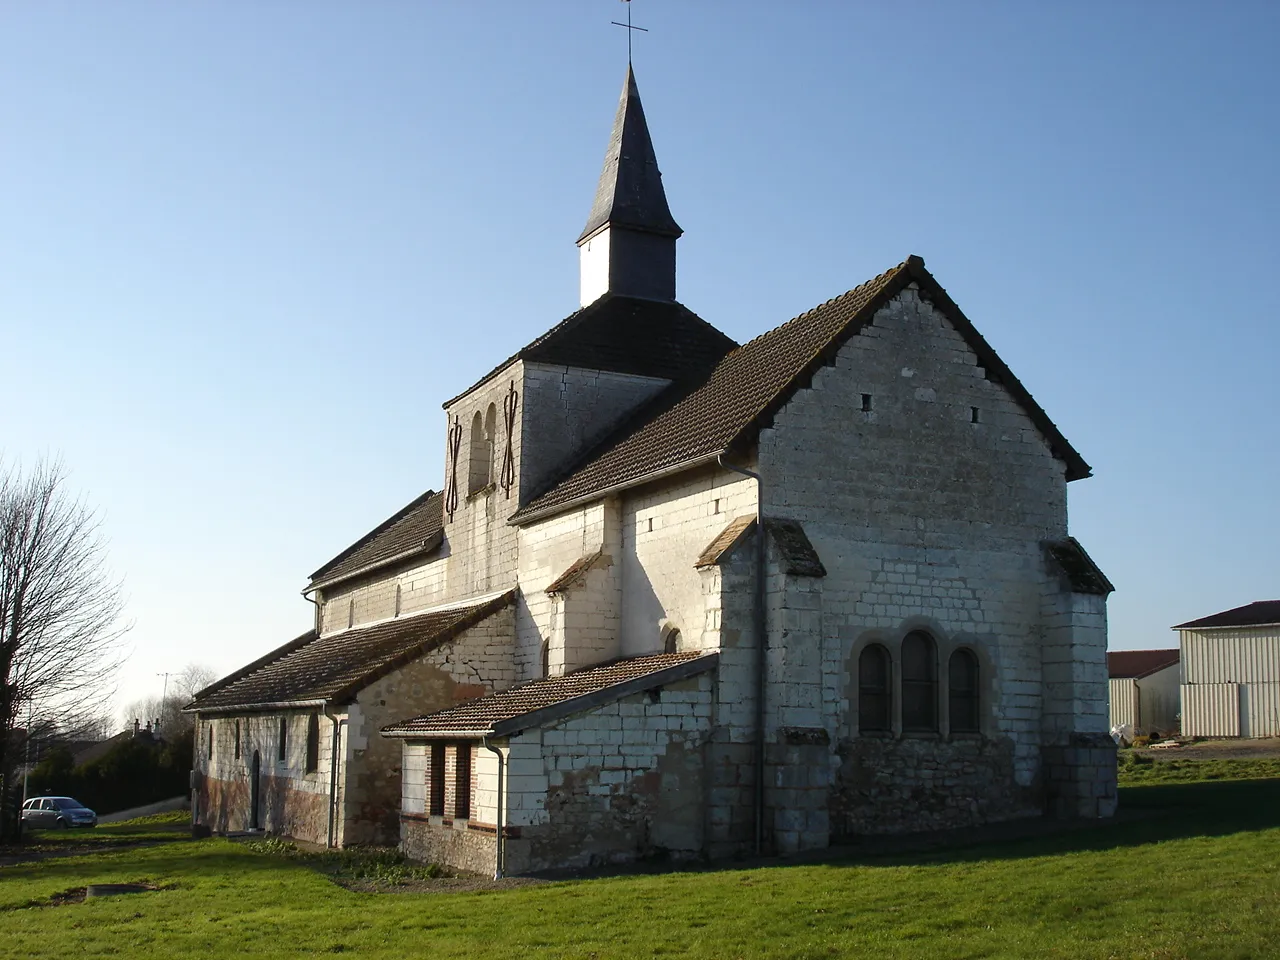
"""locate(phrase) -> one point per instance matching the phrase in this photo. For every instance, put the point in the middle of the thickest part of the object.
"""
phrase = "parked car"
(57, 812)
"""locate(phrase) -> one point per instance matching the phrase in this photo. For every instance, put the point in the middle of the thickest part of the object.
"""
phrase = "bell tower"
(628, 246)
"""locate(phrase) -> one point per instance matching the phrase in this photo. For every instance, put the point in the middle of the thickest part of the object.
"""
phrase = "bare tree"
(60, 615)
(167, 708)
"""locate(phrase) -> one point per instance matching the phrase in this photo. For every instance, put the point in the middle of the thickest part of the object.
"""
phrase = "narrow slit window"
(919, 683)
(237, 749)
(866, 403)
(397, 613)
(874, 702)
(211, 741)
(963, 692)
(974, 415)
(351, 613)
(313, 743)
(284, 733)
(435, 781)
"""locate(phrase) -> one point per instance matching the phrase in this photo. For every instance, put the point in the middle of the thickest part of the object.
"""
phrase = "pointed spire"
(630, 192)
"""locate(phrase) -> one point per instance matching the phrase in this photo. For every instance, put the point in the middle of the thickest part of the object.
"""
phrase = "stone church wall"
(566, 410)
(665, 528)
(292, 801)
(373, 598)
(926, 491)
(478, 662)
(547, 549)
(480, 547)
(622, 782)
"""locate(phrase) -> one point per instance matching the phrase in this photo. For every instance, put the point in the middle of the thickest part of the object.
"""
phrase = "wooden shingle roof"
(332, 669)
(685, 427)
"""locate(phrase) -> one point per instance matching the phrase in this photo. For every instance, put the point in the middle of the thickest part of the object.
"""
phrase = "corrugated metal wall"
(1158, 703)
(1210, 710)
(1260, 710)
(1244, 655)
(1124, 702)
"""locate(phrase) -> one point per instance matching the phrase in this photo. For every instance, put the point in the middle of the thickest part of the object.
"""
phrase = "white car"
(57, 812)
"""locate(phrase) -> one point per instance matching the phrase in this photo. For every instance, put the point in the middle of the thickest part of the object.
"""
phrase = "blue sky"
(249, 248)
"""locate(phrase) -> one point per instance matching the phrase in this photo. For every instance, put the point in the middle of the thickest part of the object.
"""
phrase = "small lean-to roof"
(795, 551)
(659, 339)
(335, 667)
(1136, 664)
(1082, 573)
(415, 530)
(574, 573)
(1260, 613)
(683, 428)
(546, 701)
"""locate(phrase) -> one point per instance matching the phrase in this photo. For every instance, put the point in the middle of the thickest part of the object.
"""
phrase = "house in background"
(1144, 688)
(1231, 672)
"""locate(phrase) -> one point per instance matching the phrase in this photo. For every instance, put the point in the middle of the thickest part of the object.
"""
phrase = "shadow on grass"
(180, 861)
(1147, 815)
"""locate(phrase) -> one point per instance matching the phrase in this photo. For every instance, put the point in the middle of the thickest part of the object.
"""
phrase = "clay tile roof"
(575, 572)
(797, 554)
(725, 541)
(417, 529)
(1258, 613)
(645, 338)
(336, 667)
(684, 427)
(543, 701)
(1135, 664)
(1084, 575)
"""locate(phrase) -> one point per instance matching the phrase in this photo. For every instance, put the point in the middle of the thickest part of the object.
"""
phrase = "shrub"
(134, 773)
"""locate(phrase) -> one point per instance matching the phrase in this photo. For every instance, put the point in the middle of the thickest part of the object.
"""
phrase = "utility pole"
(164, 696)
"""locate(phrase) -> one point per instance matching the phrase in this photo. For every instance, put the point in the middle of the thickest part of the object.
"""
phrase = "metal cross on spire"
(630, 29)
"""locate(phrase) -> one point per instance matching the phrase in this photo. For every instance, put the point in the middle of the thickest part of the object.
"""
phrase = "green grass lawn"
(1192, 871)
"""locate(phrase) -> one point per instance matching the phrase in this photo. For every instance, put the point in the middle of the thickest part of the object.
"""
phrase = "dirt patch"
(11, 856)
(1264, 749)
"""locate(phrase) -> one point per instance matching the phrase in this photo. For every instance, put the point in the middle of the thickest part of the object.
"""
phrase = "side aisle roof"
(414, 529)
(312, 670)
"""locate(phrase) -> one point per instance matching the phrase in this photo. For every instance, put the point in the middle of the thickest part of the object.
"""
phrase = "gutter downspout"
(761, 647)
(306, 595)
(498, 852)
(333, 777)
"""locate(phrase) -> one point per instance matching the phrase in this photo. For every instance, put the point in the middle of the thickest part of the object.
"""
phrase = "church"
(679, 597)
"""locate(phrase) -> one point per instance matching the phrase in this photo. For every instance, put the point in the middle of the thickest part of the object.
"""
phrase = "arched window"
(875, 703)
(963, 691)
(480, 466)
(546, 658)
(919, 683)
(671, 643)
